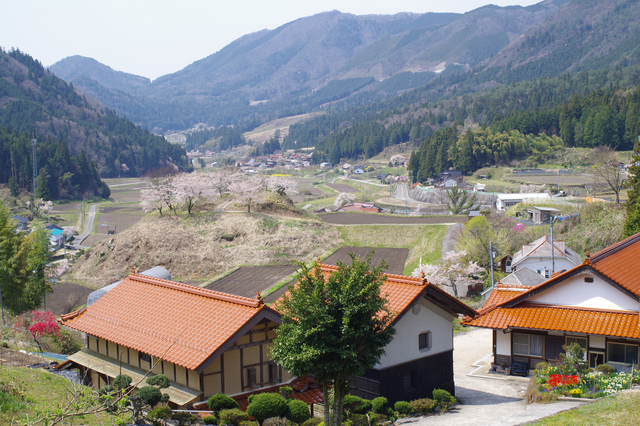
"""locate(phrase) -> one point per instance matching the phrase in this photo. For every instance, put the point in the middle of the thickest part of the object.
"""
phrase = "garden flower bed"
(552, 382)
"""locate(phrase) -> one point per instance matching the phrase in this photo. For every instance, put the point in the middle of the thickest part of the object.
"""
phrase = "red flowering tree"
(38, 324)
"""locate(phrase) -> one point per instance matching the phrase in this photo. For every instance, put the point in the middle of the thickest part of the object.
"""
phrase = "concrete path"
(88, 229)
(485, 399)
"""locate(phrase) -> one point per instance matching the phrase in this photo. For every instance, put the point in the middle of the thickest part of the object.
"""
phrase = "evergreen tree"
(632, 224)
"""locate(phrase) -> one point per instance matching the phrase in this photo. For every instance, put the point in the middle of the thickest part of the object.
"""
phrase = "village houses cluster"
(207, 342)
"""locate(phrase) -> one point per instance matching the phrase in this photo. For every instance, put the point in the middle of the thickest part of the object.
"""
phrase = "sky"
(152, 38)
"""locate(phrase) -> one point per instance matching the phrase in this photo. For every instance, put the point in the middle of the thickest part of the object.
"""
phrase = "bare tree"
(607, 169)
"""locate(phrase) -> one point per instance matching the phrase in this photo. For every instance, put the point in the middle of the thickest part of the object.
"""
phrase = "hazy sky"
(157, 37)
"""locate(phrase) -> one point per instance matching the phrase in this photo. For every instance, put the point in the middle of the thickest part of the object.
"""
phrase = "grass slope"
(617, 410)
(27, 394)
(424, 241)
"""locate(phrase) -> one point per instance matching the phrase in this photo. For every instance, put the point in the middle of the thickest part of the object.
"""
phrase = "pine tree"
(632, 224)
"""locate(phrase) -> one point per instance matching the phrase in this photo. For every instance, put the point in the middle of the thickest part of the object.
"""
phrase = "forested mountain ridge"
(35, 101)
(583, 35)
(314, 61)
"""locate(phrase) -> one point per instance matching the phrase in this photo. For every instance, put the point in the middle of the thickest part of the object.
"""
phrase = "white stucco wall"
(597, 342)
(535, 263)
(404, 346)
(503, 343)
(576, 292)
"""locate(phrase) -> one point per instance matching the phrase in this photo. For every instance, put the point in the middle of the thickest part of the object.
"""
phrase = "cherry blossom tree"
(397, 159)
(344, 198)
(453, 272)
(246, 188)
(191, 188)
(282, 185)
(159, 192)
(220, 181)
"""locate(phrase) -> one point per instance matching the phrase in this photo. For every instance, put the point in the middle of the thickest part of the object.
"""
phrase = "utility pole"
(35, 167)
(553, 258)
(492, 254)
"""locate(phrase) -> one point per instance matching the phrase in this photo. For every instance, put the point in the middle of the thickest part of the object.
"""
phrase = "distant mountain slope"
(33, 99)
(74, 67)
(583, 35)
(295, 67)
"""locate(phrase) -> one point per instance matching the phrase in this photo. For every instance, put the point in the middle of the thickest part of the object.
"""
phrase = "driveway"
(486, 400)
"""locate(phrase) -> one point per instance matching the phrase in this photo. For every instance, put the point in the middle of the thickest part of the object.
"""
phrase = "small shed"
(22, 222)
(544, 214)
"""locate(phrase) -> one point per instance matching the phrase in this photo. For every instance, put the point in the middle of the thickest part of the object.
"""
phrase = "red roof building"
(595, 304)
(204, 341)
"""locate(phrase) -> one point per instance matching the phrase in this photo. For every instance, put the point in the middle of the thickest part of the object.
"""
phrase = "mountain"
(310, 63)
(583, 35)
(34, 100)
(75, 67)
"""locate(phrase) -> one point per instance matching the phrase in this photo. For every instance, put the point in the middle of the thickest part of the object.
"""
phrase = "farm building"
(594, 304)
(23, 222)
(208, 342)
(504, 201)
(420, 357)
(204, 341)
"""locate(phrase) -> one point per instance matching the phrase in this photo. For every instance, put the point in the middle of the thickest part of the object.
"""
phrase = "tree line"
(60, 174)
(36, 101)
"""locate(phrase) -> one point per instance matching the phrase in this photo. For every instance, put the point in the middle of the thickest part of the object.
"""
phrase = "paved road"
(486, 400)
(88, 229)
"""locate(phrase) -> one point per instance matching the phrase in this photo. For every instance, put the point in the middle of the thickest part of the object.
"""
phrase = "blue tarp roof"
(56, 231)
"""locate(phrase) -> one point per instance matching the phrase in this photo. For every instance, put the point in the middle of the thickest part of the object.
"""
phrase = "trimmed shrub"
(313, 421)
(379, 405)
(221, 401)
(209, 420)
(298, 411)
(605, 369)
(122, 381)
(424, 405)
(443, 399)
(158, 414)
(356, 405)
(359, 420)
(232, 416)
(263, 406)
(160, 380)
(185, 419)
(377, 419)
(403, 407)
(149, 395)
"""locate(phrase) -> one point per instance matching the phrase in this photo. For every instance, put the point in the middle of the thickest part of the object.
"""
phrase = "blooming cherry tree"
(344, 198)
(397, 159)
(282, 185)
(246, 188)
(453, 272)
(190, 188)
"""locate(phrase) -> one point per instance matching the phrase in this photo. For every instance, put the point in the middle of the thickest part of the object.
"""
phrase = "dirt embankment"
(200, 247)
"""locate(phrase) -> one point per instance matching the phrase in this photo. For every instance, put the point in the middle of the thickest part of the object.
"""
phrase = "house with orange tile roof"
(420, 356)
(595, 304)
(204, 341)
(538, 257)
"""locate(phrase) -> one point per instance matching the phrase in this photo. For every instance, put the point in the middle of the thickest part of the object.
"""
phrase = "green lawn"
(620, 410)
(424, 241)
(28, 394)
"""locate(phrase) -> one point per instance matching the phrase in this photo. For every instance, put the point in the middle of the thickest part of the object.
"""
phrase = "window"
(145, 357)
(595, 359)
(588, 280)
(622, 353)
(527, 344)
(582, 341)
(424, 340)
(251, 376)
(273, 372)
(544, 272)
(409, 381)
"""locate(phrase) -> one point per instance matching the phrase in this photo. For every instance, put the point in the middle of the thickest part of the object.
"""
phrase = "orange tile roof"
(621, 263)
(402, 291)
(559, 318)
(182, 324)
(503, 292)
